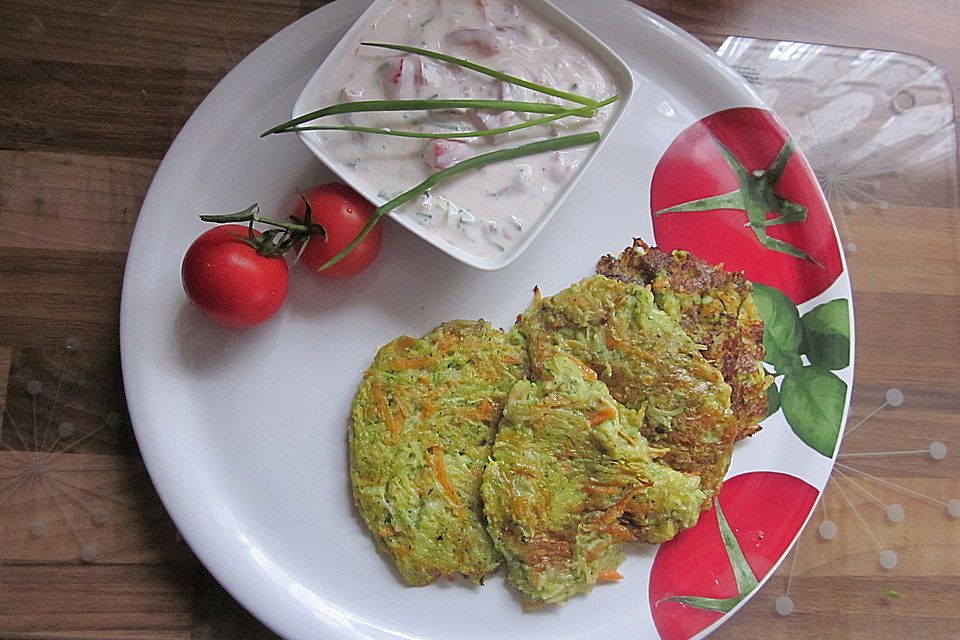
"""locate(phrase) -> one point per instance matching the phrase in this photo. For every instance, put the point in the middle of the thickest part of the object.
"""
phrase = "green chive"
(540, 146)
(426, 105)
(487, 71)
(458, 134)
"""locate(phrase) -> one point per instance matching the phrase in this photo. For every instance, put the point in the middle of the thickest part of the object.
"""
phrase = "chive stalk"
(362, 106)
(500, 155)
(479, 133)
(487, 71)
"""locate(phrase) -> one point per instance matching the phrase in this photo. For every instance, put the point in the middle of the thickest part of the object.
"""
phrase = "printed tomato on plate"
(706, 571)
(733, 189)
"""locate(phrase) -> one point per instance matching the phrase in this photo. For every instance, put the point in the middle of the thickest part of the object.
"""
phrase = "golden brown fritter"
(649, 364)
(422, 428)
(715, 309)
(568, 461)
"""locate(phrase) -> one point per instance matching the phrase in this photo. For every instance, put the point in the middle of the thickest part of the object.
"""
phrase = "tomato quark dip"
(487, 211)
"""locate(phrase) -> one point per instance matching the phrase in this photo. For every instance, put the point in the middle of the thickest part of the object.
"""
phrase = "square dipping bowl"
(463, 232)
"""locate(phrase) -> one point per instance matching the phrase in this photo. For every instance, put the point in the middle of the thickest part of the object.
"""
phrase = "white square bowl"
(555, 20)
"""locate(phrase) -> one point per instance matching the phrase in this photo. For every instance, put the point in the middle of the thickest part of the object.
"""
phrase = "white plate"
(244, 433)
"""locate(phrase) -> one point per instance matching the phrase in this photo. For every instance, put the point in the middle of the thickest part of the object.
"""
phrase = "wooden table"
(93, 94)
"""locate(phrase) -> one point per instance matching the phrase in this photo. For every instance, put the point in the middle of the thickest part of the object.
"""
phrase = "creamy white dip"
(483, 212)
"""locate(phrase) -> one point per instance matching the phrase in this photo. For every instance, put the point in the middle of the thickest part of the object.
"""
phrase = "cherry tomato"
(342, 212)
(765, 511)
(229, 281)
(783, 237)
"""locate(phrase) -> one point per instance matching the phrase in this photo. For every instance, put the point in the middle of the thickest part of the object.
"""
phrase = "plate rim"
(246, 587)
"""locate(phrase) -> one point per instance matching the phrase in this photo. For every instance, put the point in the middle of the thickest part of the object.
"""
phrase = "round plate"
(244, 432)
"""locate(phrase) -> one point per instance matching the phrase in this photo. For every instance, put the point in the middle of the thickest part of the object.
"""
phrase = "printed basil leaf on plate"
(813, 401)
(826, 335)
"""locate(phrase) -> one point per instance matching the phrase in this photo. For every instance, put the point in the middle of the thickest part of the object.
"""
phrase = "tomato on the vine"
(237, 276)
(229, 281)
(733, 189)
(342, 212)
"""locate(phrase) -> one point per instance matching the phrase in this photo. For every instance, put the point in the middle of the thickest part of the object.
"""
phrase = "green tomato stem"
(723, 605)
(252, 214)
(742, 573)
(540, 146)
(272, 242)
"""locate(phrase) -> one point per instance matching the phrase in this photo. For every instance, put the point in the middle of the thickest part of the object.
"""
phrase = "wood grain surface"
(93, 95)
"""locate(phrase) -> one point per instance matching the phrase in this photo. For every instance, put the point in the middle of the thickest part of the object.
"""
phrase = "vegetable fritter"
(715, 308)
(568, 460)
(422, 428)
(648, 363)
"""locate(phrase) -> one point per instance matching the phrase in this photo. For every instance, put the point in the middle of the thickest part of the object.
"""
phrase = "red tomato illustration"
(733, 189)
(694, 578)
